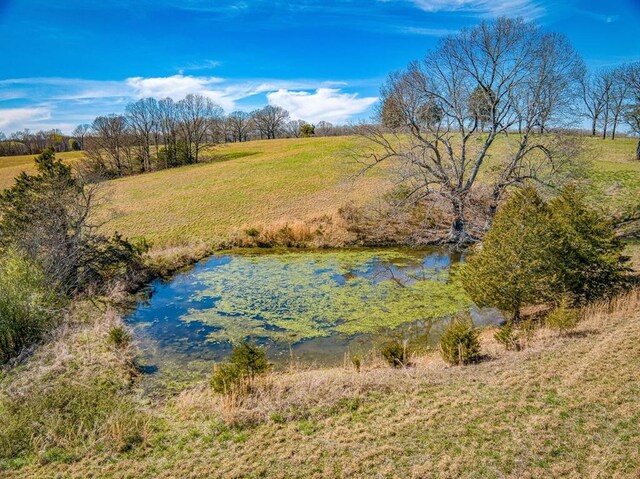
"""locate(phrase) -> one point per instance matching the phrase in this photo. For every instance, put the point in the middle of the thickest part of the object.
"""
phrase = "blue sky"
(65, 62)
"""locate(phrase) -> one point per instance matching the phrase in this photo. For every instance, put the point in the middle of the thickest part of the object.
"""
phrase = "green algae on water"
(294, 296)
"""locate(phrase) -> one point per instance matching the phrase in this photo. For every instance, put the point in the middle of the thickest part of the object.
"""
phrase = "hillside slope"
(244, 185)
(567, 406)
(262, 183)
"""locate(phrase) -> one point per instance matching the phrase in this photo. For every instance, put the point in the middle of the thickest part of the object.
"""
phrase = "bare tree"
(594, 95)
(196, 113)
(525, 76)
(142, 117)
(607, 82)
(270, 121)
(618, 97)
(109, 145)
(632, 111)
(80, 133)
(293, 128)
(324, 128)
(240, 125)
(168, 123)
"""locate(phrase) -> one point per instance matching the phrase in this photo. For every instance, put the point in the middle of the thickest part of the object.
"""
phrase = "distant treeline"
(154, 134)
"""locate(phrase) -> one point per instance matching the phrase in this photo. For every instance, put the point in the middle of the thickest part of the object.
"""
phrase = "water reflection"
(312, 305)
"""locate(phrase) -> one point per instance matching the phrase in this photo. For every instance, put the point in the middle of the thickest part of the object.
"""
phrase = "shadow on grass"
(581, 334)
(229, 156)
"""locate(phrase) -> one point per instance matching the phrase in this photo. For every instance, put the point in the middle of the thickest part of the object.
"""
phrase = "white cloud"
(528, 9)
(15, 118)
(44, 103)
(327, 104)
(176, 86)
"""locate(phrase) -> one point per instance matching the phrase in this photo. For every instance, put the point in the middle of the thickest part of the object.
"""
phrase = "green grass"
(246, 184)
(261, 183)
(564, 407)
(12, 166)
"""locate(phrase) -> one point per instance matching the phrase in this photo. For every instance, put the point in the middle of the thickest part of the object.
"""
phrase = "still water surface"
(311, 305)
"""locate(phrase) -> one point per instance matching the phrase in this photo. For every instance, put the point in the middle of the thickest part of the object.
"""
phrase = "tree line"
(153, 134)
(611, 96)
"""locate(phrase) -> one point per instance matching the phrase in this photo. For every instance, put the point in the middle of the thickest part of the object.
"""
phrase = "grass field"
(245, 185)
(11, 166)
(277, 181)
(566, 406)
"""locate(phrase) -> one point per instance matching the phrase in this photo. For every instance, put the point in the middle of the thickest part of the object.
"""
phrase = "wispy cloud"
(13, 118)
(605, 18)
(328, 104)
(529, 9)
(198, 66)
(428, 32)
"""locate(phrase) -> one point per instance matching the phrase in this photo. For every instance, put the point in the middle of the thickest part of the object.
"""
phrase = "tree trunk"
(493, 207)
(458, 233)
(638, 151)
(516, 314)
(593, 127)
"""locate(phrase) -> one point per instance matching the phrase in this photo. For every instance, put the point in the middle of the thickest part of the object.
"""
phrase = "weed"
(395, 353)
(563, 318)
(508, 337)
(119, 337)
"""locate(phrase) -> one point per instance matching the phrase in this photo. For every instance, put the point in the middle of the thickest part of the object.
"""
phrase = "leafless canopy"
(441, 116)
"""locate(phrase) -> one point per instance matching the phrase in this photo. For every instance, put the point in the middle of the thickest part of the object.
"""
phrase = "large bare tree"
(521, 76)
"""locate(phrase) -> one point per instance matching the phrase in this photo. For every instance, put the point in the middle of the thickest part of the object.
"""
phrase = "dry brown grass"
(565, 406)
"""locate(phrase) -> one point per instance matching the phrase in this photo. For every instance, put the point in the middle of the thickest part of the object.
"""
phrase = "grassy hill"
(566, 406)
(244, 184)
(261, 183)
(11, 166)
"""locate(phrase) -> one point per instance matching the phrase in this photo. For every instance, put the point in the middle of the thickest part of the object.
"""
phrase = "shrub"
(508, 337)
(587, 250)
(395, 353)
(119, 337)
(46, 217)
(252, 232)
(27, 305)
(247, 361)
(512, 268)
(459, 343)
(563, 318)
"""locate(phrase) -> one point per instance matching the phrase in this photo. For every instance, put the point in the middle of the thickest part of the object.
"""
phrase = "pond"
(310, 305)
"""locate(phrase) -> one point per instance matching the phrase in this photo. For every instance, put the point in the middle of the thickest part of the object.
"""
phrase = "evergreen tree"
(589, 256)
(538, 252)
